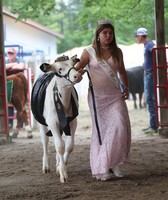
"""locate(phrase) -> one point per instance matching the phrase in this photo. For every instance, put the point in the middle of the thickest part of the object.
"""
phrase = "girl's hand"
(79, 78)
(125, 93)
(82, 71)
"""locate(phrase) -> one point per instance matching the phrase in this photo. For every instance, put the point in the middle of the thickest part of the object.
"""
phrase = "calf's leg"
(140, 100)
(69, 145)
(61, 167)
(45, 140)
(134, 98)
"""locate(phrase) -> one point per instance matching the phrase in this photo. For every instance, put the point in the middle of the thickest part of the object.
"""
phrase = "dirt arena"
(146, 177)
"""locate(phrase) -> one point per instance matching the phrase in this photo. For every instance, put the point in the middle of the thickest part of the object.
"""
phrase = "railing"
(161, 84)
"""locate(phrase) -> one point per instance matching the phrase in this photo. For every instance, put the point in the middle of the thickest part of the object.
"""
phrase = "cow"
(136, 83)
(54, 104)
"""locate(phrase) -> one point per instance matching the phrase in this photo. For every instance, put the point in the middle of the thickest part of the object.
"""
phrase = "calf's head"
(63, 67)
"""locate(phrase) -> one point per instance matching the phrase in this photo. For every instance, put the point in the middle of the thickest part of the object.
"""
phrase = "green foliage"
(75, 39)
(126, 16)
(30, 8)
(77, 19)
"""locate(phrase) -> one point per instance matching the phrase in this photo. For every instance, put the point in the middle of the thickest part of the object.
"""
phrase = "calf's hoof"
(64, 180)
(46, 170)
(29, 135)
(15, 134)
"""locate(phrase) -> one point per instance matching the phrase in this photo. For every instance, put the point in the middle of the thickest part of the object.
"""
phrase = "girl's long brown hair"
(115, 51)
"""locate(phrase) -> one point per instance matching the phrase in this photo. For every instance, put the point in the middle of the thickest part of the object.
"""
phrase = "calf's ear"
(45, 67)
(62, 58)
(75, 59)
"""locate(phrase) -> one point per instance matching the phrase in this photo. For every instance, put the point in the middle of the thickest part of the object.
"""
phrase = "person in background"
(13, 65)
(141, 36)
(103, 61)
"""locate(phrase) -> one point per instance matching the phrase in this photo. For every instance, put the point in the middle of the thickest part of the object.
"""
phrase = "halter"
(64, 121)
(66, 76)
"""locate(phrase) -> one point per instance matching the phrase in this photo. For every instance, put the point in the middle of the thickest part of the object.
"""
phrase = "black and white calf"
(54, 104)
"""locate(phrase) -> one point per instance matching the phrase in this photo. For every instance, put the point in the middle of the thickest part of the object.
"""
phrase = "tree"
(30, 8)
(77, 19)
(126, 15)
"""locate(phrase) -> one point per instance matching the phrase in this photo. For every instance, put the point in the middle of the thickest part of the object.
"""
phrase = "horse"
(18, 97)
(54, 104)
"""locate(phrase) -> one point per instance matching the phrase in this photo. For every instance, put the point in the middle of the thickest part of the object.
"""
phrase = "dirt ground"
(146, 177)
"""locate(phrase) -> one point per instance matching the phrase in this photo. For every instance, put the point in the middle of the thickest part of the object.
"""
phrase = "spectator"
(141, 36)
(13, 65)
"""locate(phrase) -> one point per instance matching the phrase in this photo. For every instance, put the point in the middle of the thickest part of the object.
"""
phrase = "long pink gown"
(113, 120)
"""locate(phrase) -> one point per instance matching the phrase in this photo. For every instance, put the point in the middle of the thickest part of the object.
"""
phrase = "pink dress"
(113, 120)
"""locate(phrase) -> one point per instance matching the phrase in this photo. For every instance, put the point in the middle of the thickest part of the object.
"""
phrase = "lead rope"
(61, 114)
(94, 108)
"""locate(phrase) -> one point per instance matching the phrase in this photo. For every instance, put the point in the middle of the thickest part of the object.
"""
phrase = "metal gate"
(161, 84)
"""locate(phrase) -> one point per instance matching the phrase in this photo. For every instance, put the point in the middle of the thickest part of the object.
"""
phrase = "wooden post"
(160, 42)
(3, 92)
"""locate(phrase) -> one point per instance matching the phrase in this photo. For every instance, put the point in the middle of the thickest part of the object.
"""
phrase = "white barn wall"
(29, 37)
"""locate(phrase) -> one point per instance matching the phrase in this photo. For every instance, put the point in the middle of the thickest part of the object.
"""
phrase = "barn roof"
(34, 24)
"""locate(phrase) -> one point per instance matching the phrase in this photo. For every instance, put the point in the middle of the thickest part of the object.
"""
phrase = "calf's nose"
(78, 77)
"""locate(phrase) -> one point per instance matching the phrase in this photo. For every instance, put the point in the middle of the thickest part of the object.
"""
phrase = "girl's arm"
(123, 76)
(84, 60)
